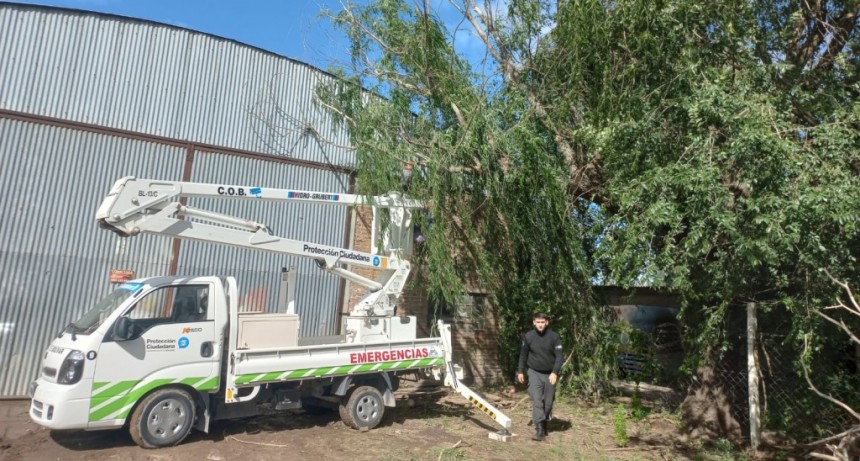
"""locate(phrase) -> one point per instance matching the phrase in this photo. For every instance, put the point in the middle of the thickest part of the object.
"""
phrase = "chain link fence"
(788, 407)
(789, 411)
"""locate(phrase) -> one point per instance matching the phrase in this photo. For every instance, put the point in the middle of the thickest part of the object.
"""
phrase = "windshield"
(102, 310)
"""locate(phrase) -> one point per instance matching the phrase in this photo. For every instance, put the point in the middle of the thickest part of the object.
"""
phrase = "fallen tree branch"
(853, 430)
(518, 403)
(276, 445)
(657, 447)
(456, 445)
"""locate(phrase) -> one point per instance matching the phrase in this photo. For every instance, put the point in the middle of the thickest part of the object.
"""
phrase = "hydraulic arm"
(155, 206)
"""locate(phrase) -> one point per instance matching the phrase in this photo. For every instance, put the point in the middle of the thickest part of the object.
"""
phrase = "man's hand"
(553, 378)
(521, 378)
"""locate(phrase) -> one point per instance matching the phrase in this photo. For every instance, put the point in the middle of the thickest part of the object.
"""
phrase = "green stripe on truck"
(127, 400)
(125, 393)
(336, 371)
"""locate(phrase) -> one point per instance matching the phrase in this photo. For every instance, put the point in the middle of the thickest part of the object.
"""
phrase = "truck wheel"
(164, 418)
(363, 409)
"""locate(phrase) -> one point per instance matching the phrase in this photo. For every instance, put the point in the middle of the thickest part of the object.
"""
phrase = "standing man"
(541, 352)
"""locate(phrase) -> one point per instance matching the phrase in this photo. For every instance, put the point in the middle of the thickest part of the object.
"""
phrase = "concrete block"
(500, 437)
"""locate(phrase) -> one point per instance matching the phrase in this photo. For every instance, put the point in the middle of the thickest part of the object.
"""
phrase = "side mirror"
(123, 329)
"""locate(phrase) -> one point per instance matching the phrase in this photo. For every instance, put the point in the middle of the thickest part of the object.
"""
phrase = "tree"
(710, 149)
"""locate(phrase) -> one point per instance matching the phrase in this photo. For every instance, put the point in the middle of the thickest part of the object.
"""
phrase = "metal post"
(752, 376)
(287, 290)
(282, 290)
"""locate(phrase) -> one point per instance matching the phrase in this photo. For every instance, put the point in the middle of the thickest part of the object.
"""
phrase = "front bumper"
(56, 406)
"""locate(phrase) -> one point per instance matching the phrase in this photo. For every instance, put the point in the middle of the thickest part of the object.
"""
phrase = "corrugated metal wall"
(158, 81)
(317, 292)
(54, 260)
(162, 80)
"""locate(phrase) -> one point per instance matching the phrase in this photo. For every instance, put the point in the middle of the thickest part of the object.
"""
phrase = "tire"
(363, 409)
(163, 419)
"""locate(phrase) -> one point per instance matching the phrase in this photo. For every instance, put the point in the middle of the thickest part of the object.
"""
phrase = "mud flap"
(388, 395)
(204, 417)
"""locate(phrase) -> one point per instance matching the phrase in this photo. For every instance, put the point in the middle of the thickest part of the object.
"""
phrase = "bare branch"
(823, 456)
(331, 108)
(847, 289)
(840, 33)
(840, 324)
(853, 430)
(479, 30)
(830, 399)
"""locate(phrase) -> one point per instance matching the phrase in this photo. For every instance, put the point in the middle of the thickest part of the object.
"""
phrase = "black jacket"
(541, 352)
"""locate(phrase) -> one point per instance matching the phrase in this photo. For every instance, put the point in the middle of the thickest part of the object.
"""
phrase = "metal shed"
(86, 98)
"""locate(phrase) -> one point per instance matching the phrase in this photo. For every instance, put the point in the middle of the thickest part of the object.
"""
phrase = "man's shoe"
(540, 435)
(543, 429)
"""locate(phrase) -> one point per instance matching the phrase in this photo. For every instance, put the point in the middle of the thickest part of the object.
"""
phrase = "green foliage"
(832, 362)
(724, 450)
(619, 424)
(450, 454)
(707, 148)
(502, 217)
(637, 410)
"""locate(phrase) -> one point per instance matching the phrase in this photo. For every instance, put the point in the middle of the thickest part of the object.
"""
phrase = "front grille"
(49, 372)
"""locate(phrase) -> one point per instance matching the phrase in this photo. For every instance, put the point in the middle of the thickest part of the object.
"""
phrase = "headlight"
(72, 368)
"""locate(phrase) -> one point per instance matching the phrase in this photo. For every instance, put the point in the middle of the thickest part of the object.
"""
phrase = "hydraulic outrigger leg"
(473, 397)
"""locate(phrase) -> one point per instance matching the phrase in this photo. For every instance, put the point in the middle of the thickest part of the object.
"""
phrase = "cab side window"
(174, 304)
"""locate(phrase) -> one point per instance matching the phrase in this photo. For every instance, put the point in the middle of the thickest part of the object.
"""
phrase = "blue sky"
(291, 28)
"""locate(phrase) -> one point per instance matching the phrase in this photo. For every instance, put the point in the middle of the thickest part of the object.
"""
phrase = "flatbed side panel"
(252, 367)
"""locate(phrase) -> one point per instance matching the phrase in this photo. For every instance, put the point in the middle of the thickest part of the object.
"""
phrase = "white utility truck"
(167, 354)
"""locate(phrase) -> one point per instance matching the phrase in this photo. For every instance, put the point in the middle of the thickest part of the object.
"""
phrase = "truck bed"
(257, 366)
(321, 340)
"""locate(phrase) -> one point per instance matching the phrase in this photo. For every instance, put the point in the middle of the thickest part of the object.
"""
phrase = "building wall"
(476, 344)
(86, 99)
(477, 350)
(163, 80)
(56, 262)
(361, 221)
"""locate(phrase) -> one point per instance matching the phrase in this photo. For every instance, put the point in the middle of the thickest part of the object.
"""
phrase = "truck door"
(171, 341)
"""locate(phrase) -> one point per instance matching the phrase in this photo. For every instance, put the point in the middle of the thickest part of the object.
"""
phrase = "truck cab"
(146, 334)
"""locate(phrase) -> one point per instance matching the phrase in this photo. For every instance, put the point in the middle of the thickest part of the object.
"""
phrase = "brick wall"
(475, 349)
(362, 218)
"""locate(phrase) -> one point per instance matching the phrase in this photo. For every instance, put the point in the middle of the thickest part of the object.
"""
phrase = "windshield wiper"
(72, 328)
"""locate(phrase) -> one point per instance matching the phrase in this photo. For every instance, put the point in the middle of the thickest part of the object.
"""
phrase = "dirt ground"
(430, 424)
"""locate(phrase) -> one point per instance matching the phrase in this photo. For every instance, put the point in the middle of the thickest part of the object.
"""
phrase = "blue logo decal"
(131, 286)
(183, 342)
(256, 191)
(376, 260)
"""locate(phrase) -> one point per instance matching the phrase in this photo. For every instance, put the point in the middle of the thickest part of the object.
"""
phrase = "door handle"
(206, 349)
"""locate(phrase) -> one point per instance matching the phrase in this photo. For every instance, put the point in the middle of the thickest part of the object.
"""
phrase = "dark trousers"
(542, 394)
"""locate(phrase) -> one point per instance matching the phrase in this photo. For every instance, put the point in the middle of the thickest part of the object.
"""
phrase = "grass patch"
(619, 422)
(450, 454)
